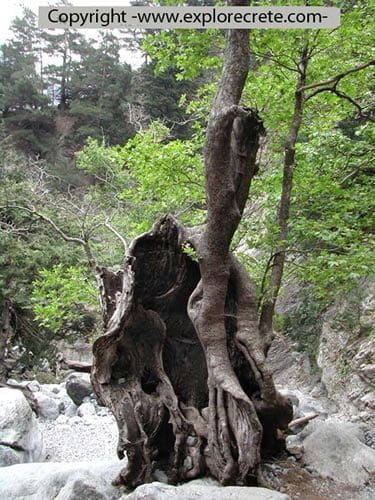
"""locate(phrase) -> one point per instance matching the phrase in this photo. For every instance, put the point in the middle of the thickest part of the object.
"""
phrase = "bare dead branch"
(302, 420)
(33, 211)
(69, 364)
(118, 235)
(69, 239)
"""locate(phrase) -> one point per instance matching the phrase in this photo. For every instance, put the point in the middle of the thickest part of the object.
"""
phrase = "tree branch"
(33, 211)
(118, 235)
(59, 231)
(337, 78)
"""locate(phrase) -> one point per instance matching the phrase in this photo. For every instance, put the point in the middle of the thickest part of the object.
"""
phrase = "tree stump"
(150, 368)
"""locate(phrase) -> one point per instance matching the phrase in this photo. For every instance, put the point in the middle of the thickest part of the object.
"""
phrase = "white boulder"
(60, 481)
(204, 489)
(47, 407)
(19, 429)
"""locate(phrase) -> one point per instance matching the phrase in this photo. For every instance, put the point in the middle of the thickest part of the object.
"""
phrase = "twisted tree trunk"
(182, 362)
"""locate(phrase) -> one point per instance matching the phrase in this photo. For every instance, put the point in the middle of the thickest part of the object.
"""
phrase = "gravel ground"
(86, 439)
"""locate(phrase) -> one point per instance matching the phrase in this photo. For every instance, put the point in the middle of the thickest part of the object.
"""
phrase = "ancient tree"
(182, 361)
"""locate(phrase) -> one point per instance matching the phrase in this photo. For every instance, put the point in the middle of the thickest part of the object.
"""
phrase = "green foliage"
(62, 294)
(189, 51)
(190, 252)
(159, 96)
(99, 91)
(330, 243)
(151, 174)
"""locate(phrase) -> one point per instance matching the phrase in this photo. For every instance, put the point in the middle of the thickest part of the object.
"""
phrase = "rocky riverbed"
(74, 440)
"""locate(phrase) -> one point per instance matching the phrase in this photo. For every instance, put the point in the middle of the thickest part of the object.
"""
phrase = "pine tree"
(100, 91)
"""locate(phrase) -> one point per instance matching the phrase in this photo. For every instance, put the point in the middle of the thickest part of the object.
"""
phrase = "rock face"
(20, 437)
(347, 354)
(335, 450)
(289, 367)
(60, 481)
(341, 345)
(78, 387)
(204, 489)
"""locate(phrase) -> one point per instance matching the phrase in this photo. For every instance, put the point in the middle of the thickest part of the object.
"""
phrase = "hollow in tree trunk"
(182, 363)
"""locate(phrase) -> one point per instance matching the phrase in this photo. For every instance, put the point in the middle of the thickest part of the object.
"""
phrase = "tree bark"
(181, 363)
(4, 336)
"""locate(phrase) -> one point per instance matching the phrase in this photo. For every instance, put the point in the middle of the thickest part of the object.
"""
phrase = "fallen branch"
(302, 420)
(70, 364)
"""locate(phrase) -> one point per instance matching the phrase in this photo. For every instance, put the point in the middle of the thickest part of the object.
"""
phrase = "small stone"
(86, 409)
(70, 410)
(369, 400)
(78, 386)
(294, 446)
(62, 419)
(34, 386)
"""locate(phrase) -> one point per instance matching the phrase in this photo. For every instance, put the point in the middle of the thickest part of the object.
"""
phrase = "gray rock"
(86, 409)
(294, 446)
(33, 385)
(47, 407)
(71, 410)
(89, 488)
(367, 372)
(19, 428)
(368, 400)
(334, 450)
(201, 489)
(9, 456)
(78, 386)
(60, 481)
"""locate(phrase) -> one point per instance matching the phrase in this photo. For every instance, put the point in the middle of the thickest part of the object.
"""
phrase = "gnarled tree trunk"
(182, 362)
